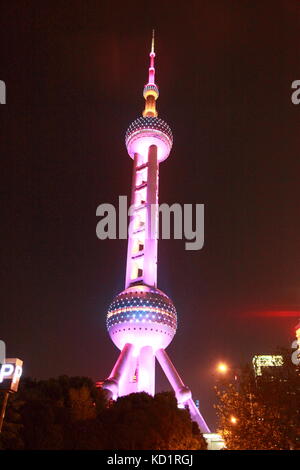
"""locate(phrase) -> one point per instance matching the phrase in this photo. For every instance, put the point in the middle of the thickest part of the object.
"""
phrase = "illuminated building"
(261, 361)
(142, 320)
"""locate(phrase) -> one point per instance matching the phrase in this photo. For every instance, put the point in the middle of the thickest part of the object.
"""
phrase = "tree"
(71, 413)
(140, 421)
(48, 413)
(261, 412)
(10, 437)
(81, 404)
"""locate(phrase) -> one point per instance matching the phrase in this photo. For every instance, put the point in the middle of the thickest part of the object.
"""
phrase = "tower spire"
(152, 44)
(151, 89)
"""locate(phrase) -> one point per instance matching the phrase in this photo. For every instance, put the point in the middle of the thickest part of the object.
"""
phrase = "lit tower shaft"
(142, 242)
(142, 320)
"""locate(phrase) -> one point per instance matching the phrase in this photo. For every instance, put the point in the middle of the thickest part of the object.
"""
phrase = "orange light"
(150, 92)
(233, 420)
(150, 112)
(222, 368)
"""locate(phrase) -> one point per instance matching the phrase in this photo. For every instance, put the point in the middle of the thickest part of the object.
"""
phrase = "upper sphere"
(146, 131)
(151, 89)
(143, 316)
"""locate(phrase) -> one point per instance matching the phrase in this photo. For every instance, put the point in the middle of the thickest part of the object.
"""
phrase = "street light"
(225, 369)
(233, 420)
(222, 368)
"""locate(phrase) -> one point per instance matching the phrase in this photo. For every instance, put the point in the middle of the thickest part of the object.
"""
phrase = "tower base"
(137, 374)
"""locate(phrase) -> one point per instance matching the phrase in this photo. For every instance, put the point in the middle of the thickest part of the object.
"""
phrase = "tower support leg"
(146, 370)
(128, 381)
(120, 370)
(183, 393)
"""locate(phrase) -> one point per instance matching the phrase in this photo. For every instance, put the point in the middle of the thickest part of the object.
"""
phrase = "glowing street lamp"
(233, 420)
(222, 368)
(225, 369)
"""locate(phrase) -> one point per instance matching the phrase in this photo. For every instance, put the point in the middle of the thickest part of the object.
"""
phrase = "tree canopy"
(71, 413)
(261, 412)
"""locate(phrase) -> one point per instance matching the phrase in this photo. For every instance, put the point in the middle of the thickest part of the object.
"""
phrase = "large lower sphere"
(143, 316)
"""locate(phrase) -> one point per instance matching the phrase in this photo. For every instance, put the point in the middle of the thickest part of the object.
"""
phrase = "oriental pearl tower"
(142, 320)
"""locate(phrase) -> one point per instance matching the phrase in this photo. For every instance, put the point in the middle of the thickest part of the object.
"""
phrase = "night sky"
(74, 73)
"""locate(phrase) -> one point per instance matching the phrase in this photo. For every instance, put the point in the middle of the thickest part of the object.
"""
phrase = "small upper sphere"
(146, 131)
(143, 316)
(151, 89)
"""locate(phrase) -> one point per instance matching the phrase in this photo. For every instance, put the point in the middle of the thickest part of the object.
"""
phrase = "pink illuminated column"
(182, 392)
(150, 262)
(146, 370)
(119, 371)
(142, 240)
(132, 248)
(128, 381)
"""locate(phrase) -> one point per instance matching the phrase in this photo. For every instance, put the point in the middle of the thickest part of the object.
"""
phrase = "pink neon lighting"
(142, 320)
